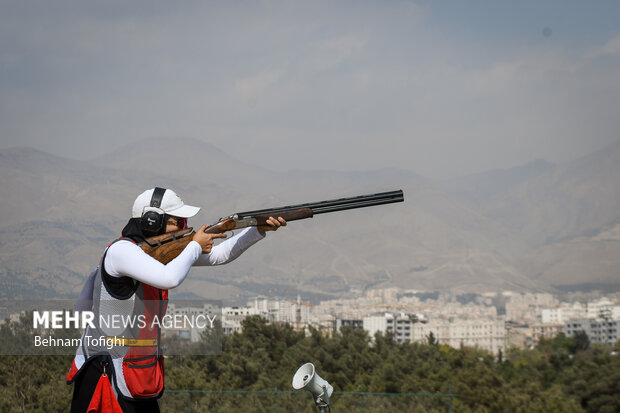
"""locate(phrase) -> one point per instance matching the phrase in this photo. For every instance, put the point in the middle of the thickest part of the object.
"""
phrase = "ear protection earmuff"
(153, 217)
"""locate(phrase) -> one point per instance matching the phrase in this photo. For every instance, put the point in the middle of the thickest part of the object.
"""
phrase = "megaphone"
(306, 378)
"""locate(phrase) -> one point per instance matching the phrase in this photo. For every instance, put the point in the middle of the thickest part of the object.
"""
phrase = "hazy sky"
(439, 88)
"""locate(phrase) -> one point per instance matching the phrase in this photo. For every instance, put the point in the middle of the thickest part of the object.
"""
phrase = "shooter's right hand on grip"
(206, 240)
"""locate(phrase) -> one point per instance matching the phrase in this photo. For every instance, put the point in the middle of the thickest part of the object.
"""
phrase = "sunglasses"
(178, 222)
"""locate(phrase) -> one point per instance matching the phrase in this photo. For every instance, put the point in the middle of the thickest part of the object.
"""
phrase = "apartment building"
(598, 330)
(400, 325)
(483, 333)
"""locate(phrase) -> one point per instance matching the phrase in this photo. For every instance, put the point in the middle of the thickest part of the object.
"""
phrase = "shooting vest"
(127, 333)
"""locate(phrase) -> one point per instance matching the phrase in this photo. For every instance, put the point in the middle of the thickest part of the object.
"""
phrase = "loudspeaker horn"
(306, 378)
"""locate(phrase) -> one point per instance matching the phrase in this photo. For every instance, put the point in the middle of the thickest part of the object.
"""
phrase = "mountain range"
(536, 227)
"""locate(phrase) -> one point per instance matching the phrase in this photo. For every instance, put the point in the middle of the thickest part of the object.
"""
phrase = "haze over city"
(443, 89)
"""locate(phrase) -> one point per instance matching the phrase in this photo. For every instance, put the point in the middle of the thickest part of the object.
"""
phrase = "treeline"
(564, 374)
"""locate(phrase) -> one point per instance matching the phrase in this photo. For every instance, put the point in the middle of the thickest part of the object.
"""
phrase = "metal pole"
(362, 395)
(276, 399)
(451, 396)
(189, 402)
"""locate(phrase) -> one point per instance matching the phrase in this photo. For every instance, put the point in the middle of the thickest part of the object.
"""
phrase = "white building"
(489, 335)
(603, 309)
(282, 311)
(375, 323)
(296, 313)
(354, 323)
(232, 317)
(562, 314)
(400, 325)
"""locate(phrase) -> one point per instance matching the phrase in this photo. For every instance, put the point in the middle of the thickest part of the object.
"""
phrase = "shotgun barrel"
(334, 205)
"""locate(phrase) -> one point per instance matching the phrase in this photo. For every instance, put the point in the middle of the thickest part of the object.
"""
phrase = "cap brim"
(186, 211)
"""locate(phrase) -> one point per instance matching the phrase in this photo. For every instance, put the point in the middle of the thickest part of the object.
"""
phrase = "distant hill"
(482, 187)
(560, 211)
(517, 229)
(576, 199)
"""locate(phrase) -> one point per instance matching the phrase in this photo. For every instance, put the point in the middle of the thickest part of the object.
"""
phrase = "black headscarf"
(133, 230)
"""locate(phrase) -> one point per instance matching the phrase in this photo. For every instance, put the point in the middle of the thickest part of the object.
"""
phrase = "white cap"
(171, 204)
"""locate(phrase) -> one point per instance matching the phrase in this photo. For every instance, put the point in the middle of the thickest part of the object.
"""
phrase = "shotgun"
(166, 247)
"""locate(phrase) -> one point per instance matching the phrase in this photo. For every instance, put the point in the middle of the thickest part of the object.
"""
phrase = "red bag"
(144, 375)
